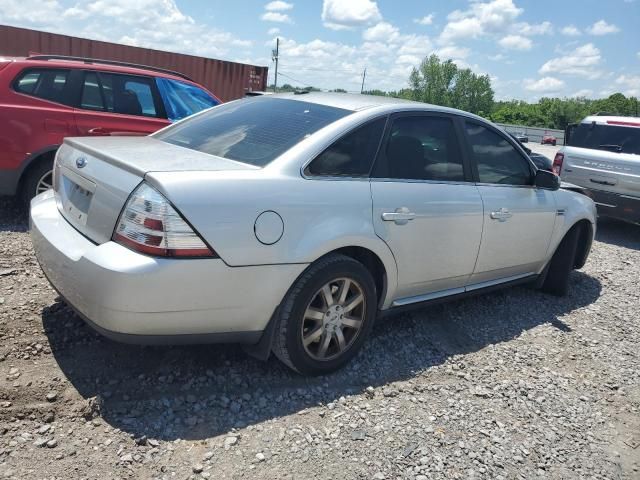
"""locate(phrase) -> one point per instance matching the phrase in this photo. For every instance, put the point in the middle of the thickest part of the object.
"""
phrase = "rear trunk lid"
(602, 170)
(93, 177)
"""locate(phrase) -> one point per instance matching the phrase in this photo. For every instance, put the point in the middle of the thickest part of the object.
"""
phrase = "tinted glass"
(606, 137)
(423, 148)
(253, 130)
(91, 97)
(43, 83)
(498, 161)
(126, 94)
(182, 99)
(352, 155)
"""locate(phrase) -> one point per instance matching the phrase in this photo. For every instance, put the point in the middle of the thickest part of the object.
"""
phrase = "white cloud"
(602, 28)
(341, 14)
(571, 31)
(516, 42)
(544, 85)
(585, 92)
(582, 61)
(630, 83)
(276, 17)
(426, 20)
(145, 23)
(382, 32)
(524, 28)
(453, 52)
(497, 58)
(481, 18)
(273, 31)
(278, 6)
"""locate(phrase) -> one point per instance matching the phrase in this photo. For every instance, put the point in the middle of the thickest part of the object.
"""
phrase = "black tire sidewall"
(297, 354)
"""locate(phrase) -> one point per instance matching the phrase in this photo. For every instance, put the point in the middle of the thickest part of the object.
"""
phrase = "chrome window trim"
(415, 180)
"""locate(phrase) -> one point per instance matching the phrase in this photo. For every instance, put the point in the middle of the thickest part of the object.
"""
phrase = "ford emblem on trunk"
(81, 162)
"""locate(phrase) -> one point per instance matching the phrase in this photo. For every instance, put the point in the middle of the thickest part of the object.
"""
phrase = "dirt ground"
(513, 384)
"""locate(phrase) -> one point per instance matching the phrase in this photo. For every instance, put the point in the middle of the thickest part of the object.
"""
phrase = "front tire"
(326, 316)
(562, 262)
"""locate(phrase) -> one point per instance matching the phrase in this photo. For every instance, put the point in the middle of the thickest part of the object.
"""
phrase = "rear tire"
(38, 175)
(315, 338)
(561, 264)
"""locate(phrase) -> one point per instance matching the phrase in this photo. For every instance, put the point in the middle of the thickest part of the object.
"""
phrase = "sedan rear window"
(253, 130)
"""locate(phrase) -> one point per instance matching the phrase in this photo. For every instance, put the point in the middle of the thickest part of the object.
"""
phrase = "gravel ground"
(513, 384)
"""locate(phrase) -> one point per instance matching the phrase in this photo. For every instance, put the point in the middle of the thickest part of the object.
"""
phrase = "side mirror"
(547, 180)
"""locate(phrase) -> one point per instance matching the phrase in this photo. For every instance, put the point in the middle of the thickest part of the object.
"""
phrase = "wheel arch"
(585, 239)
(32, 160)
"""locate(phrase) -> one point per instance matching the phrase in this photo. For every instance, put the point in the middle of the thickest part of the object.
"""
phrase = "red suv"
(45, 98)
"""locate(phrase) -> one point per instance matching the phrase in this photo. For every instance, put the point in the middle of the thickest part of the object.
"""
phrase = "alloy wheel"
(45, 182)
(333, 319)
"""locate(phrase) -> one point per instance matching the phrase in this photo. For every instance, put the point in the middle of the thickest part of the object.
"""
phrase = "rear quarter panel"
(319, 216)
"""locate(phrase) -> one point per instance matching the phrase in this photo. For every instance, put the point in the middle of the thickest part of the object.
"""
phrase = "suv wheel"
(38, 179)
(326, 316)
(562, 262)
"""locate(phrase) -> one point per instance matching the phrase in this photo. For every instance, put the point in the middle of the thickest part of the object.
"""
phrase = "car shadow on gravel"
(198, 392)
(616, 232)
(13, 218)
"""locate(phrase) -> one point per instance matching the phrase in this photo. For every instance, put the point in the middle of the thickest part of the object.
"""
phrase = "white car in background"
(602, 155)
(290, 222)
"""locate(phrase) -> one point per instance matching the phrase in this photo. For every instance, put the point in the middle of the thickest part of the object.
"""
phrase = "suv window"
(182, 99)
(606, 137)
(423, 147)
(115, 93)
(498, 161)
(352, 155)
(254, 130)
(46, 83)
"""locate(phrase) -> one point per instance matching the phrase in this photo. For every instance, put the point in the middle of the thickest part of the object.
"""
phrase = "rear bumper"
(613, 205)
(140, 299)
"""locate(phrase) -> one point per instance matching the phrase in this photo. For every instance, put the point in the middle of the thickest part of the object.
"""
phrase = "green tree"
(443, 83)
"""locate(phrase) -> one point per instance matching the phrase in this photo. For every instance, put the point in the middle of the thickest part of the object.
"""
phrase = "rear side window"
(423, 148)
(182, 99)
(497, 160)
(352, 155)
(46, 83)
(612, 138)
(252, 130)
(125, 94)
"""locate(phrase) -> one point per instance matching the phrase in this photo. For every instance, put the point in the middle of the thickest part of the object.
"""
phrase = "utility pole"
(364, 75)
(274, 57)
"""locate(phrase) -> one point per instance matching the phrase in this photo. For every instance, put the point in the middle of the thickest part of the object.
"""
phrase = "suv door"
(112, 104)
(426, 206)
(518, 217)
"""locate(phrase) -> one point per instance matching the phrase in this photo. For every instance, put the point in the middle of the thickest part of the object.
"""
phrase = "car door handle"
(401, 216)
(501, 215)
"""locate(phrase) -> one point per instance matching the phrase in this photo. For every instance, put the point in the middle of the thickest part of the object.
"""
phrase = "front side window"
(352, 155)
(498, 161)
(182, 99)
(254, 130)
(46, 83)
(115, 93)
(423, 148)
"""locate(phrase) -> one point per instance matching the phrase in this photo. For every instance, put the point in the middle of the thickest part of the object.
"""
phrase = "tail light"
(149, 224)
(557, 163)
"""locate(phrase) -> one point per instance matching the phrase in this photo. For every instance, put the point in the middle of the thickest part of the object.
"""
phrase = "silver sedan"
(290, 222)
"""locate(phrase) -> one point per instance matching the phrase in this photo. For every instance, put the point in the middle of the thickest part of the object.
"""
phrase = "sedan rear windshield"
(253, 130)
(606, 137)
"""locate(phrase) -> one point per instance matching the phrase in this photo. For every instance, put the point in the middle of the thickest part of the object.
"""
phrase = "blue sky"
(529, 48)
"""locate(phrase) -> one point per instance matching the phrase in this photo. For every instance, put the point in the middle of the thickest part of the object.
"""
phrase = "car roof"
(613, 120)
(96, 65)
(358, 102)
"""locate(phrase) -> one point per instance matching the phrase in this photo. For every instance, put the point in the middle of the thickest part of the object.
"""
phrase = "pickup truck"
(602, 155)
